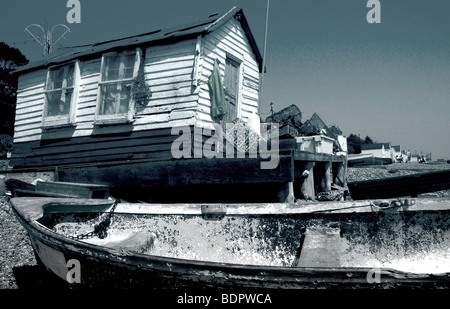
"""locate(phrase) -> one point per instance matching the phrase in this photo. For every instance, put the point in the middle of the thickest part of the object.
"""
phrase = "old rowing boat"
(93, 242)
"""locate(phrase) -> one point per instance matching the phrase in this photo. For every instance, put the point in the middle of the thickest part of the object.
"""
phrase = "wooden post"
(286, 193)
(2, 185)
(339, 174)
(325, 177)
(305, 179)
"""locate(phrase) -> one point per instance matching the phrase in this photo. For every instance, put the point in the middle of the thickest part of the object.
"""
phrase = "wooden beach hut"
(118, 103)
(109, 113)
(119, 99)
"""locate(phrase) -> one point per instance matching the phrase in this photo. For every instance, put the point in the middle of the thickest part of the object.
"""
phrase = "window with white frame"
(61, 90)
(118, 71)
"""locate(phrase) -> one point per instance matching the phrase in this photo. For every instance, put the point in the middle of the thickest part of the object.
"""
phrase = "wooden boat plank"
(81, 190)
(321, 248)
(23, 193)
(362, 206)
(32, 208)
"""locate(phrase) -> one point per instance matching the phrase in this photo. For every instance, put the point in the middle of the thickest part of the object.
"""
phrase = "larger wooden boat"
(102, 243)
(408, 185)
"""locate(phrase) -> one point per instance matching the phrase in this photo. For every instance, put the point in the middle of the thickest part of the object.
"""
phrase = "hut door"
(231, 85)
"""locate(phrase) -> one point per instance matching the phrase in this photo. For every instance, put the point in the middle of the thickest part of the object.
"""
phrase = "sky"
(388, 80)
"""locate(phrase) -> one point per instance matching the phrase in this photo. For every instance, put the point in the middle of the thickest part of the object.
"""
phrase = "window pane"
(109, 99)
(68, 99)
(70, 75)
(56, 78)
(125, 95)
(115, 99)
(111, 67)
(56, 105)
(129, 65)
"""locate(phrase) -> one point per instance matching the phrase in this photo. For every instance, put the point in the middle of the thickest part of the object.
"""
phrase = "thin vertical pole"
(264, 61)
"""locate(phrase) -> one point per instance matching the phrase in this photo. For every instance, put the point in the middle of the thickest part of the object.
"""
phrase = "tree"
(368, 140)
(10, 59)
(354, 143)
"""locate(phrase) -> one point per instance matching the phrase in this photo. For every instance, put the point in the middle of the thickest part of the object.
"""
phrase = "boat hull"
(410, 185)
(89, 265)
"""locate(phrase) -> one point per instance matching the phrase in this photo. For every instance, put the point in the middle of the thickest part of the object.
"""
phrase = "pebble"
(15, 247)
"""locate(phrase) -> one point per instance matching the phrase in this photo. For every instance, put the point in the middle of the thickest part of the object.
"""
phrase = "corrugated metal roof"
(169, 35)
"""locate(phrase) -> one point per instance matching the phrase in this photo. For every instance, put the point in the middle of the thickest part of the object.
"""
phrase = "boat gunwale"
(33, 208)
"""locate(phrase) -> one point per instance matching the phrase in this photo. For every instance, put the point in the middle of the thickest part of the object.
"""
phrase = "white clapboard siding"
(90, 67)
(188, 105)
(87, 94)
(168, 72)
(171, 101)
(24, 116)
(29, 105)
(31, 79)
(229, 39)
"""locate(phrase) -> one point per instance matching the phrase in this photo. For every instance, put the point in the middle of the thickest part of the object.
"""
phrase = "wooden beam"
(176, 173)
(317, 157)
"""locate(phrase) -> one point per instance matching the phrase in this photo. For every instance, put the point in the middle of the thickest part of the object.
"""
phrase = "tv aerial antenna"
(47, 39)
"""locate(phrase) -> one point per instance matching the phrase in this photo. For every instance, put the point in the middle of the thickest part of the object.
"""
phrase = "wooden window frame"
(117, 118)
(70, 118)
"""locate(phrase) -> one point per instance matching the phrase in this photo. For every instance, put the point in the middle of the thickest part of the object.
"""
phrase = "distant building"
(398, 154)
(383, 153)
